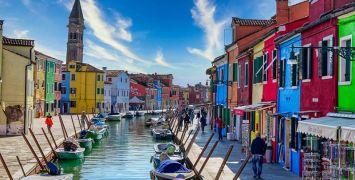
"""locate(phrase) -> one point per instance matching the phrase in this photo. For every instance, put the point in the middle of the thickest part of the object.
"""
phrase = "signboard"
(238, 112)
(245, 136)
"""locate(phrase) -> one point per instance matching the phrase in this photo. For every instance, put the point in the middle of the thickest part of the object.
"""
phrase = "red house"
(320, 68)
(137, 90)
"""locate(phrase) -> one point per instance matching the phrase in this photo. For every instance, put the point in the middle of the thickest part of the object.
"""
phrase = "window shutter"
(298, 69)
(255, 64)
(320, 54)
(347, 63)
(280, 73)
(302, 63)
(331, 58)
(310, 64)
(283, 72)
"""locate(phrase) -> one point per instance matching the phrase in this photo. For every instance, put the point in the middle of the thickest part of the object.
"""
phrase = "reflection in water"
(124, 154)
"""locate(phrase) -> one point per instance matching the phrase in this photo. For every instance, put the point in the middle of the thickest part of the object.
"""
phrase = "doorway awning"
(136, 100)
(253, 107)
(326, 127)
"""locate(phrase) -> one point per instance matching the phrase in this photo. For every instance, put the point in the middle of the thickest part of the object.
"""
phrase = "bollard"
(192, 141)
(19, 162)
(33, 152)
(50, 133)
(207, 158)
(49, 142)
(73, 126)
(38, 146)
(6, 168)
(224, 162)
(203, 151)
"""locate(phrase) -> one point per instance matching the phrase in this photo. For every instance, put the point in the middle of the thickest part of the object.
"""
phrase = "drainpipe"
(25, 113)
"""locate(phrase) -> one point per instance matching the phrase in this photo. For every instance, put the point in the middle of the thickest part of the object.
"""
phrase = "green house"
(346, 81)
(49, 88)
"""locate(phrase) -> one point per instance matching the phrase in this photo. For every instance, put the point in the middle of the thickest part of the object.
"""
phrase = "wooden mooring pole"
(207, 158)
(224, 162)
(19, 162)
(5, 167)
(81, 125)
(48, 141)
(63, 126)
(192, 141)
(240, 170)
(33, 152)
(50, 133)
(38, 146)
(76, 135)
(203, 150)
(183, 134)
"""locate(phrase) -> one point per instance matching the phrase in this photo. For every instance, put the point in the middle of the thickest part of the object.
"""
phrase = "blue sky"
(164, 36)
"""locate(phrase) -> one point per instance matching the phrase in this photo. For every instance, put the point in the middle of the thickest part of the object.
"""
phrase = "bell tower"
(75, 34)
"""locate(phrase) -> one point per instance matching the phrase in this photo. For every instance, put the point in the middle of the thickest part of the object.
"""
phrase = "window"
(257, 70)
(73, 77)
(235, 71)
(325, 57)
(63, 77)
(105, 93)
(72, 104)
(265, 59)
(126, 80)
(98, 105)
(102, 90)
(72, 90)
(345, 64)
(98, 91)
(238, 75)
(121, 79)
(306, 63)
(64, 90)
(110, 79)
(294, 137)
(246, 74)
(282, 73)
(98, 78)
(55, 86)
(274, 64)
(295, 76)
(72, 66)
(118, 92)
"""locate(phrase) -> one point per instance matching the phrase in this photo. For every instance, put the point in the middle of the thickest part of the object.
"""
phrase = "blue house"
(120, 89)
(65, 91)
(158, 97)
(221, 85)
(287, 139)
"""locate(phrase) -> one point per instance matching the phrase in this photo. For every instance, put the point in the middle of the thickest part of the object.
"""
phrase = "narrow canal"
(124, 154)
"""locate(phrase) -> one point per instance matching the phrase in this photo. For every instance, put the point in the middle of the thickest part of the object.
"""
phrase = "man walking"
(220, 126)
(258, 149)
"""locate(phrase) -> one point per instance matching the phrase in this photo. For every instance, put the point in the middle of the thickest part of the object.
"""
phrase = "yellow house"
(39, 76)
(86, 87)
(16, 84)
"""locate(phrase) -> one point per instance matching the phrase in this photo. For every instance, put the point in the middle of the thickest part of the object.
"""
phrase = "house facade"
(119, 90)
(65, 91)
(57, 86)
(39, 84)
(158, 98)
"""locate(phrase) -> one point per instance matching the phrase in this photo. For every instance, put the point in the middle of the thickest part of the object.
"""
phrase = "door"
(65, 108)
(287, 144)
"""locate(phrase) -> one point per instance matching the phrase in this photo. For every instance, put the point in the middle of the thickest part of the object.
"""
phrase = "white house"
(119, 90)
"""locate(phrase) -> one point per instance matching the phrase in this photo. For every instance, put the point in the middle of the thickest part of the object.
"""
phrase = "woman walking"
(220, 126)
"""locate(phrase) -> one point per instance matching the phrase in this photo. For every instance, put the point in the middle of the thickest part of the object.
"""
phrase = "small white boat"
(140, 113)
(128, 115)
(49, 177)
(114, 117)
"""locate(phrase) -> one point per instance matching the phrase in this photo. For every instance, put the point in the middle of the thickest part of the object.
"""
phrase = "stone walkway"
(10, 147)
(270, 171)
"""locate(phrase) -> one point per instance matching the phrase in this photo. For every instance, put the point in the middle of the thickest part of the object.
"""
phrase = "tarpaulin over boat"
(326, 127)
(171, 166)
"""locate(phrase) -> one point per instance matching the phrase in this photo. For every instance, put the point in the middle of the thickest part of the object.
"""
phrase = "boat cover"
(171, 166)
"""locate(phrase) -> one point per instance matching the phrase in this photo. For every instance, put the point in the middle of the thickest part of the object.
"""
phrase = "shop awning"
(136, 100)
(326, 127)
(249, 108)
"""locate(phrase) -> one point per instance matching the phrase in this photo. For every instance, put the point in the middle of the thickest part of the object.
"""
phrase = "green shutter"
(235, 72)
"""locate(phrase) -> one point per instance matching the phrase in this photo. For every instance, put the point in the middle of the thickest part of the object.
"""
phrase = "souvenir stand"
(327, 153)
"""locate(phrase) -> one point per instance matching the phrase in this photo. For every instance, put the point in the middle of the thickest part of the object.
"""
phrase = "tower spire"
(75, 34)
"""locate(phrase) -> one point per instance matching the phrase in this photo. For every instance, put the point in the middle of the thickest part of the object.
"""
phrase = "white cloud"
(122, 25)
(21, 34)
(159, 59)
(204, 16)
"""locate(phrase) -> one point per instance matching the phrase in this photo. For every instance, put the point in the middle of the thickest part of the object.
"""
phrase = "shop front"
(327, 146)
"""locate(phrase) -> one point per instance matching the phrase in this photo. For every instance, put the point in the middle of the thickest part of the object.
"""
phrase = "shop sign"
(238, 112)
(245, 121)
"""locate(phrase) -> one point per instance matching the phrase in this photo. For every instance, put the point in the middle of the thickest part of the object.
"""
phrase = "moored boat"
(170, 170)
(98, 120)
(140, 113)
(49, 177)
(85, 143)
(162, 147)
(114, 117)
(128, 115)
(77, 154)
(176, 157)
(162, 133)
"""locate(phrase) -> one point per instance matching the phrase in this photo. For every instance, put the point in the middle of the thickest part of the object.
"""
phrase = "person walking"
(49, 121)
(186, 119)
(220, 126)
(203, 123)
(258, 149)
(181, 119)
(82, 120)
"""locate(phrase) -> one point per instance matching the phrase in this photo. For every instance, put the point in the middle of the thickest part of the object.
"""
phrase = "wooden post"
(224, 162)
(183, 134)
(240, 170)
(203, 151)
(87, 121)
(50, 133)
(33, 152)
(5, 166)
(191, 131)
(19, 162)
(192, 141)
(65, 129)
(49, 142)
(61, 125)
(38, 146)
(81, 125)
(73, 126)
(207, 158)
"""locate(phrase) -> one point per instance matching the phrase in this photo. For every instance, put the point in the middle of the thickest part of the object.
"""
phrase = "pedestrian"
(49, 121)
(203, 123)
(192, 116)
(181, 119)
(198, 116)
(187, 119)
(220, 126)
(258, 149)
(82, 120)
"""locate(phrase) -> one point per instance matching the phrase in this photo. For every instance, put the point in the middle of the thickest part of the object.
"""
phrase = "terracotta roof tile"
(17, 42)
(253, 22)
(114, 73)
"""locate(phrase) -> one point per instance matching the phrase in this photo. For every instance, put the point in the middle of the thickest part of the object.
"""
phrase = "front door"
(65, 108)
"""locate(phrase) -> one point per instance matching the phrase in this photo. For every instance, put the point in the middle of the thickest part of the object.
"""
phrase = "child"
(49, 121)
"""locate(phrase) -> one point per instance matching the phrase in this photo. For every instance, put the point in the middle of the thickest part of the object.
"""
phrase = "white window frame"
(310, 51)
(246, 74)
(330, 55)
(341, 41)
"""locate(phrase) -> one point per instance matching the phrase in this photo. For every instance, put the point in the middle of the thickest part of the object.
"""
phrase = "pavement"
(270, 171)
(10, 147)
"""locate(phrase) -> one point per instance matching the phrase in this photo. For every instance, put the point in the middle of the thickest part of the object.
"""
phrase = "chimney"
(104, 68)
(282, 12)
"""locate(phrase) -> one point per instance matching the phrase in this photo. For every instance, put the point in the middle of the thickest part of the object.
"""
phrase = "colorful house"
(17, 63)
(65, 91)
(86, 87)
(57, 86)
(346, 68)
(40, 84)
(156, 85)
(119, 90)
(139, 91)
(150, 99)
(49, 87)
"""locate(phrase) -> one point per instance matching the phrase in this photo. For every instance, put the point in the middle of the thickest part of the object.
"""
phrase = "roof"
(114, 73)
(17, 42)
(253, 22)
(89, 68)
(44, 56)
(218, 58)
(76, 11)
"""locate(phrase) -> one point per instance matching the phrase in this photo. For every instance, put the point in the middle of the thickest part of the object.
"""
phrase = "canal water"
(124, 154)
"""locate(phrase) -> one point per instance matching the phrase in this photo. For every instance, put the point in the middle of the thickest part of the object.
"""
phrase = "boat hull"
(170, 176)
(78, 154)
(161, 136)
(49, 177)
(85, 143)
(113, 118)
